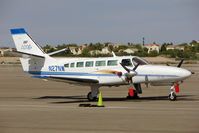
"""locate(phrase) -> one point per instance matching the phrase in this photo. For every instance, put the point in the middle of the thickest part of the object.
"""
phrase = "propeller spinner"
(130, 73)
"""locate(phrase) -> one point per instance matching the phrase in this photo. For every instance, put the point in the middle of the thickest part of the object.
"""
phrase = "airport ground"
(29, 105)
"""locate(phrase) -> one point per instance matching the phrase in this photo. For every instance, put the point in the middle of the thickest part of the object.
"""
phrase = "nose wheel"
(172, 95)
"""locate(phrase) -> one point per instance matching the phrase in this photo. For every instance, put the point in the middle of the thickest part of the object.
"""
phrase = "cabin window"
(126, 62)
(66, 65)
(100, 63)
(72, 64)
(89, 63)
(80, 64)
(112, 63)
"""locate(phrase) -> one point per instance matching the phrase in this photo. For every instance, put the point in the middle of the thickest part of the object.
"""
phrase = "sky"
(56, 22)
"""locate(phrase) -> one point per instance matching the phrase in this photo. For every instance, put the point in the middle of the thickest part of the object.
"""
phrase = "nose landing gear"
(172, 95)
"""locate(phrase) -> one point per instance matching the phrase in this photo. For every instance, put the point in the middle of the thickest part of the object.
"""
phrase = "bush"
(153, 53)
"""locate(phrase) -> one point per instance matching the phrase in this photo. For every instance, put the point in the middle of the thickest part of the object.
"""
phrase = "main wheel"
(172, 96)
(90, 97)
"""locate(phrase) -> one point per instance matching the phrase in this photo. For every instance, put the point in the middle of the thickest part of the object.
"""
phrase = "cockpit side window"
(126, 62)
(137, 60)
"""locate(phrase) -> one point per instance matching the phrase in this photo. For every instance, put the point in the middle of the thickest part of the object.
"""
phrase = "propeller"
(179, 65)
(130, 73)
(147, 81)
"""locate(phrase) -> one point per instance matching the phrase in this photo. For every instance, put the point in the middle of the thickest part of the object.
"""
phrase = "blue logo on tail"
(26, 47)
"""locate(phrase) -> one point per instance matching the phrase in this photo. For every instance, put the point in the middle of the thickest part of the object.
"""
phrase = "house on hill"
(75, 50)
(170, 47)
(152, 47)
(4, 51)
(1, 52)
(180, 48)
(105, 50)
(116, 45)
(129, 50)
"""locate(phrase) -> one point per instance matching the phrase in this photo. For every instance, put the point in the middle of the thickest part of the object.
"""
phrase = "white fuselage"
(104, 70)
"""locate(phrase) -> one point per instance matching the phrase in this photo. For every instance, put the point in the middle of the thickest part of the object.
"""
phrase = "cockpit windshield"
(126, 62)
(137, 60)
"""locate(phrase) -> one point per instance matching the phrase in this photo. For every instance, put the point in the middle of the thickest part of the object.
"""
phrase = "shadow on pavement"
(80, 99)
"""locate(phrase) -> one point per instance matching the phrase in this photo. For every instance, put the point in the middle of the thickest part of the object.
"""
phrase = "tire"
(172, 97)
(90, 98)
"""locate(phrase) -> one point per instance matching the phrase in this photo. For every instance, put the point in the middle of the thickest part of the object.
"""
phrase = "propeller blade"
(125, 67)
(131, 80)
(136, 67)
(147, 81)
(179, 65)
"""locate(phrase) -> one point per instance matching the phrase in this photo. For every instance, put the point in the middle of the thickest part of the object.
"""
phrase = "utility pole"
(143, 41)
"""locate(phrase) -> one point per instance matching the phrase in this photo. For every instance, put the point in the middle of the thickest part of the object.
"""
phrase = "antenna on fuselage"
(114, 54)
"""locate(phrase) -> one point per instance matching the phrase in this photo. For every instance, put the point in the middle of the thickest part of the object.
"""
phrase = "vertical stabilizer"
(24, 43)
(33, 56)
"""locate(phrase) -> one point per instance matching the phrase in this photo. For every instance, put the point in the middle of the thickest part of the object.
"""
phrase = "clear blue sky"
(83, 21)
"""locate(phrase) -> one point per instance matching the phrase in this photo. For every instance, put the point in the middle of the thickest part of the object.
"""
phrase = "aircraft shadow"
(82, 99)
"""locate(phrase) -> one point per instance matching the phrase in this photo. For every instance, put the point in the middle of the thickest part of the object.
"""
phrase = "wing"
(72, 80)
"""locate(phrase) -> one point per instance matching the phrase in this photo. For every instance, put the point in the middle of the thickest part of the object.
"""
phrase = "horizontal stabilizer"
(59, 51)
(29, 55)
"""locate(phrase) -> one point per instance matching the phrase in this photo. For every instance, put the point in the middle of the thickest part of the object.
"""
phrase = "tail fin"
(34, 62)
(24, 43)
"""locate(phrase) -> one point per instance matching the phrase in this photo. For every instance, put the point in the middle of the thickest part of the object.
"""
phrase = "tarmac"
(29, 105)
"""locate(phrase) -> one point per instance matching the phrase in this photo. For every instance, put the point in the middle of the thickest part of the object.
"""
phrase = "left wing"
(70, 79)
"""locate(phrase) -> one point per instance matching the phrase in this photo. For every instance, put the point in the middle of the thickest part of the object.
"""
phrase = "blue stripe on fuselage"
(90, 74)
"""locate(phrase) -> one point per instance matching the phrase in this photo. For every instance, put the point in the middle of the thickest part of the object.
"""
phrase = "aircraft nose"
(185, 73)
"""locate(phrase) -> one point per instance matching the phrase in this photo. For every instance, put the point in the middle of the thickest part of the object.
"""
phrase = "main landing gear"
(133, 94)
(172, 95)
(92, 96)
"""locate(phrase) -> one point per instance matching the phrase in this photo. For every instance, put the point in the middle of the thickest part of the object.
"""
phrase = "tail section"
(24, 43)
(34, 61)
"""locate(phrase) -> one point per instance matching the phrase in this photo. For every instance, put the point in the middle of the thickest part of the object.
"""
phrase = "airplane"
(96, 72)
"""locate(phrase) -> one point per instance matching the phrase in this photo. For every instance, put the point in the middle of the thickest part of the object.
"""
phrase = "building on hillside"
(1, 52)
(152, 47)
(129, 50)
(170, 47)
(105, 50)
(4, 51)
(74, 50)
(83, 46)
(180, 48)
(116, 45)
(95, 52)
(107, 44)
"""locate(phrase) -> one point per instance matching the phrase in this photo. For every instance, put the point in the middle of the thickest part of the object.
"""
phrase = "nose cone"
(184, 73)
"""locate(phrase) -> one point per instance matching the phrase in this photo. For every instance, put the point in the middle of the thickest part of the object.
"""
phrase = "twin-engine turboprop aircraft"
(95, 72)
